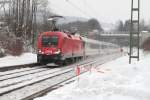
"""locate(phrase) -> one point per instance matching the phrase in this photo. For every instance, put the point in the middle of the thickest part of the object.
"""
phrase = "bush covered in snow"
(15, 47)
(9, 44)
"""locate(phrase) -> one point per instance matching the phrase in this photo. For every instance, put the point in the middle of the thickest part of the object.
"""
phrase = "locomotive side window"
(48, 41)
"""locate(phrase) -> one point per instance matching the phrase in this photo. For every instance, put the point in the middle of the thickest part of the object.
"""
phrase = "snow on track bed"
(12, 84)
(19, 70)
(44, 82)
(19, 76)
(12, 67)
(15, 75)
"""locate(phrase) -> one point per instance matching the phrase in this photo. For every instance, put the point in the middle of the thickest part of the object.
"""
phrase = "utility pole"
(134, 30)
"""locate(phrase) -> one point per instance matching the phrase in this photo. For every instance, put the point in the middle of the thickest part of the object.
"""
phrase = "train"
(62, 47)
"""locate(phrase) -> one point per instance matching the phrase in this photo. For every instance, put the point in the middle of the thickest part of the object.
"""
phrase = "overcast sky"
(104, 10)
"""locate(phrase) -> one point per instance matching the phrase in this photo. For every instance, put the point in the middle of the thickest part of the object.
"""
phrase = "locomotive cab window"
(48, 41)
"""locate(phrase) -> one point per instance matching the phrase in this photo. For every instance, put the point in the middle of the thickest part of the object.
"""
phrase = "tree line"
(125, 26)
(90, 28)
(20, 21)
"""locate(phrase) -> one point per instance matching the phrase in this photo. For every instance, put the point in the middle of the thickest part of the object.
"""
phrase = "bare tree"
(20, 17)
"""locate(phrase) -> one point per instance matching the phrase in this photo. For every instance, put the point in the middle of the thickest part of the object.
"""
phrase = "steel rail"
(43, 92)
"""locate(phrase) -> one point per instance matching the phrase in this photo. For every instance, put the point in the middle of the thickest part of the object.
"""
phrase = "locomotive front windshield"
(48, 41)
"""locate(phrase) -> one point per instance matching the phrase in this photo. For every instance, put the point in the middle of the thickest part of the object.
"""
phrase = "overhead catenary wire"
(79, 9)
(92, 10)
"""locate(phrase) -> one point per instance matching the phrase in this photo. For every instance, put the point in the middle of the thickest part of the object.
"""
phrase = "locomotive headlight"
(41, 52)
(57, 52)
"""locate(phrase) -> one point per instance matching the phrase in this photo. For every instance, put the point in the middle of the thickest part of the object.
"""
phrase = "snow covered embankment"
(116, 80)
(25, 58)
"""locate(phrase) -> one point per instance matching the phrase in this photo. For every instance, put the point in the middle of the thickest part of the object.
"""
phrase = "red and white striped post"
(78, 70)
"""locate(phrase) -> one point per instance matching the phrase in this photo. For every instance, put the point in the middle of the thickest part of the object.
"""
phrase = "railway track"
(14, 67)
(12, 79)
(29, 83)
(7, 68)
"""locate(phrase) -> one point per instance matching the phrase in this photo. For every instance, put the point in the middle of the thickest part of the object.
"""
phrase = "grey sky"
(104, 10)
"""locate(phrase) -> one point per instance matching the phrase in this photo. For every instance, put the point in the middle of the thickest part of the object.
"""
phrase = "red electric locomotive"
(58, 47)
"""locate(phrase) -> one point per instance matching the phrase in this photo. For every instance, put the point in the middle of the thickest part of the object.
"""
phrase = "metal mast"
(134, 29)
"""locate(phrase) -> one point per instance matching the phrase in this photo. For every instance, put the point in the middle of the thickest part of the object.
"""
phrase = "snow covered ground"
(25, 58)
(116, 80)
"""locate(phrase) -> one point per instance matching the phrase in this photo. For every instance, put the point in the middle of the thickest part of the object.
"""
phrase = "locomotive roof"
(63, 34)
